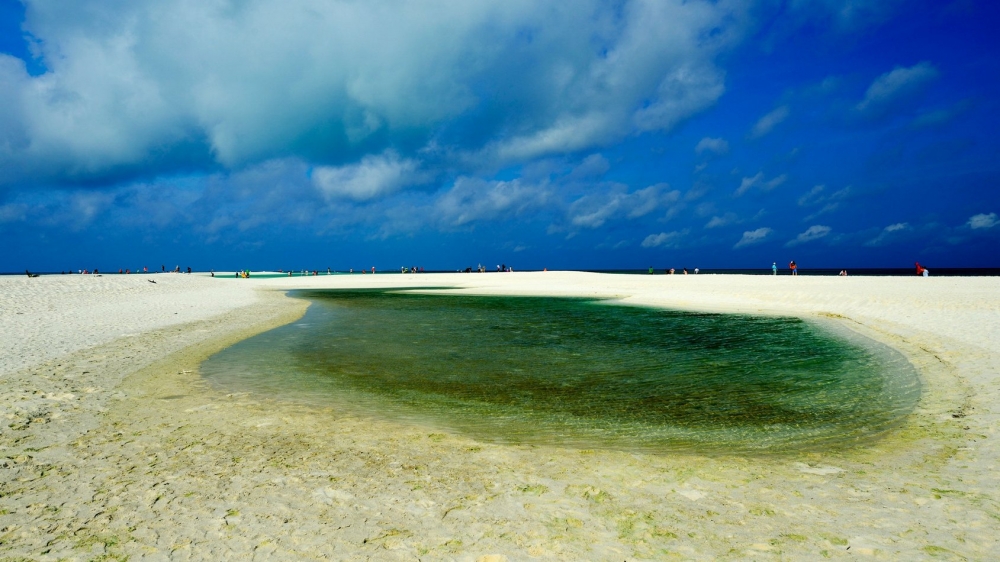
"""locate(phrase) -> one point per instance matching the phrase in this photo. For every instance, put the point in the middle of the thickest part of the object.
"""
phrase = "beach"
(113, 446)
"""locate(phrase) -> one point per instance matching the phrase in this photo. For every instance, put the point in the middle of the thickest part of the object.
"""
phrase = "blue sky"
(585, 135)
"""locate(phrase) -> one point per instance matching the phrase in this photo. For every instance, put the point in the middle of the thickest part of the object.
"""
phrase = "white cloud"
(13, 212)
(933, 119)
(181, 85)
(983, 221)
(897, 83)
(373, 177)
(716, 146)
(664, 239)
(758, 182)
(814, 232)
(472, 199)
(593, 211)
(888, 233)
(828, 208)
(724, 220)
(774, 182)
(224, 204)
(236, 208)
(768, 122)
(612, 245)
(847, 16)
(593, 166)
(752, 237)
(812, 196)
(817, 196)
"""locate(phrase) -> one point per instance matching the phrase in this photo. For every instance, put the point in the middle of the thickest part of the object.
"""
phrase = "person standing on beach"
(793, 267)
(774, 268)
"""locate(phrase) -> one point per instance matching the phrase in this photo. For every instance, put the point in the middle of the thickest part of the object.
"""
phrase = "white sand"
(111, 445)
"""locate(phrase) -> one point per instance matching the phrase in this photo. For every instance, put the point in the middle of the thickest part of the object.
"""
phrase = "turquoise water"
(578, 373)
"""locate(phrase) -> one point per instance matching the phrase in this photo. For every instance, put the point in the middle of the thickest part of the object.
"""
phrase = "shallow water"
(579, 373)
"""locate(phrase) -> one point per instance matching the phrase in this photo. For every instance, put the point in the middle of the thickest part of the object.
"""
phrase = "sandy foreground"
(111, 446)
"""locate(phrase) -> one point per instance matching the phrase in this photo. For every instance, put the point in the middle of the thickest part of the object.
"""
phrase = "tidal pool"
(578, 373)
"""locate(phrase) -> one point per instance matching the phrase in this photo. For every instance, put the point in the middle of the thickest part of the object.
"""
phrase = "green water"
(578, 373)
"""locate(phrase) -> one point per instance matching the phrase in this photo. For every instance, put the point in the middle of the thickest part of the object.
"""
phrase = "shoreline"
(764, 271)
(158, 464)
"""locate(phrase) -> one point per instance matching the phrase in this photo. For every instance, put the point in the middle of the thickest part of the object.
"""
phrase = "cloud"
(899, 83)
(817, 197)
(78, 209)
(285, 195)
(942, 117)
(758, 182)
(593, 166)
(982, 221)
(613, 245)
(373, 177)
(715, 146)
(812, 196)
(846, 16)
(814, 232)
(230, 207)
(752, 237)
(13, 212)
(827, 208)
(472, 199)
(933, 119)
(594, 210)
(724, 220)
(888, 233)
(664, 239)
(139, 89)
(768, 122)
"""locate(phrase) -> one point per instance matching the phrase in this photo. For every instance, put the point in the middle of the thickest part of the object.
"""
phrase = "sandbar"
(113, 447)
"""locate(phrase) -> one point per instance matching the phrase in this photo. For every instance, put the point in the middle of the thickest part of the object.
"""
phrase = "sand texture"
(112, 446)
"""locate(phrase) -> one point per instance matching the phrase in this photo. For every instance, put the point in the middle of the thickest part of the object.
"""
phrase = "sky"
(263, 134)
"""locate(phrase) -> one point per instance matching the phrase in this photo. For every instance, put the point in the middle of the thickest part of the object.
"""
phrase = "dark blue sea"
(873, 272)
(877, 272)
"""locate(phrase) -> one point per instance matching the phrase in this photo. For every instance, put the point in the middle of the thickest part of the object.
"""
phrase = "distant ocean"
(873, 272)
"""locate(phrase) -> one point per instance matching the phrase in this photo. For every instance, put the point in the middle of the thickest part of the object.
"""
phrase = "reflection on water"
(577, 372)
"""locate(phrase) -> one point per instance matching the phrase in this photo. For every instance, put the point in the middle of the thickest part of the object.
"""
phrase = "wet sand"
(111, 444)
